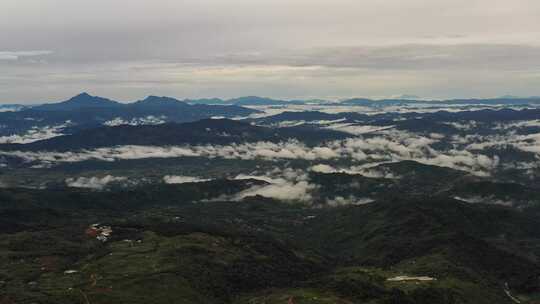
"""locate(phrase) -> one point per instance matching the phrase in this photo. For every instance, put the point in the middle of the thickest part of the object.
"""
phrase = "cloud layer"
(388, 145)
(96, 183)
(180, 179)
(11, 56)
(284, 185)
(311, 48)
(35, 134)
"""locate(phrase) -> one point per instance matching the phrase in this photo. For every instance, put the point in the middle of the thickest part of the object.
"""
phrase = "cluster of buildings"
(101, 233)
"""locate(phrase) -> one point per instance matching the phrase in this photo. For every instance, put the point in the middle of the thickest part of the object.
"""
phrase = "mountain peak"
(153, 100)
(87, 99)
(83, 100)
(83, 95)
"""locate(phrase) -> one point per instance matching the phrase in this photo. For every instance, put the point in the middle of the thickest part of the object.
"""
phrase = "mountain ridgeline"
(85, 111)
(206, 131)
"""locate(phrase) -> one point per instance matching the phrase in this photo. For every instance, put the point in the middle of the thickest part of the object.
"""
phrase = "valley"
(308, 205)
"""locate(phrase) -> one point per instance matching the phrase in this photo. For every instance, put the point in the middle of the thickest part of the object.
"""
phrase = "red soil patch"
(91, 232)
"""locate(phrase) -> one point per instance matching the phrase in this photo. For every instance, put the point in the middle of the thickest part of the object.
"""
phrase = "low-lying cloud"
(96, 183)
(339, 201)
(179, 179)
(148, 120)
(35, 134)
(527, 143)
(484, 200)
(284, 185)
(388, 145)
(369, 170)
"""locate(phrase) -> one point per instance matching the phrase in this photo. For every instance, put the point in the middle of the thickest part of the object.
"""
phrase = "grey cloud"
(402, 57)
(284, 49)
(12, 56)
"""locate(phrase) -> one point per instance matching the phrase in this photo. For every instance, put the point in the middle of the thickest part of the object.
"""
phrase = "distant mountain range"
(393, 118)
(91, 132)
(155, 104)
(85, 111)
(84, 100)
(399, 102)
(206, 131)
(406, 99)
(403, 100)
(250, 101)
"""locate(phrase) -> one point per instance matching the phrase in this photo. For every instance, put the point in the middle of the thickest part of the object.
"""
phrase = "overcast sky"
(127, 49)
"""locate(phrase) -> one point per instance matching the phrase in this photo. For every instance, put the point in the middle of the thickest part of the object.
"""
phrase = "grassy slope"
(257, 251)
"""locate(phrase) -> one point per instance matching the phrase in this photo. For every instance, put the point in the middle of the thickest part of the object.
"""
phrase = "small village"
(101, 233)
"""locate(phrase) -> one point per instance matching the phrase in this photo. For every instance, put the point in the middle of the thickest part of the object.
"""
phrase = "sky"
(332, 49)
